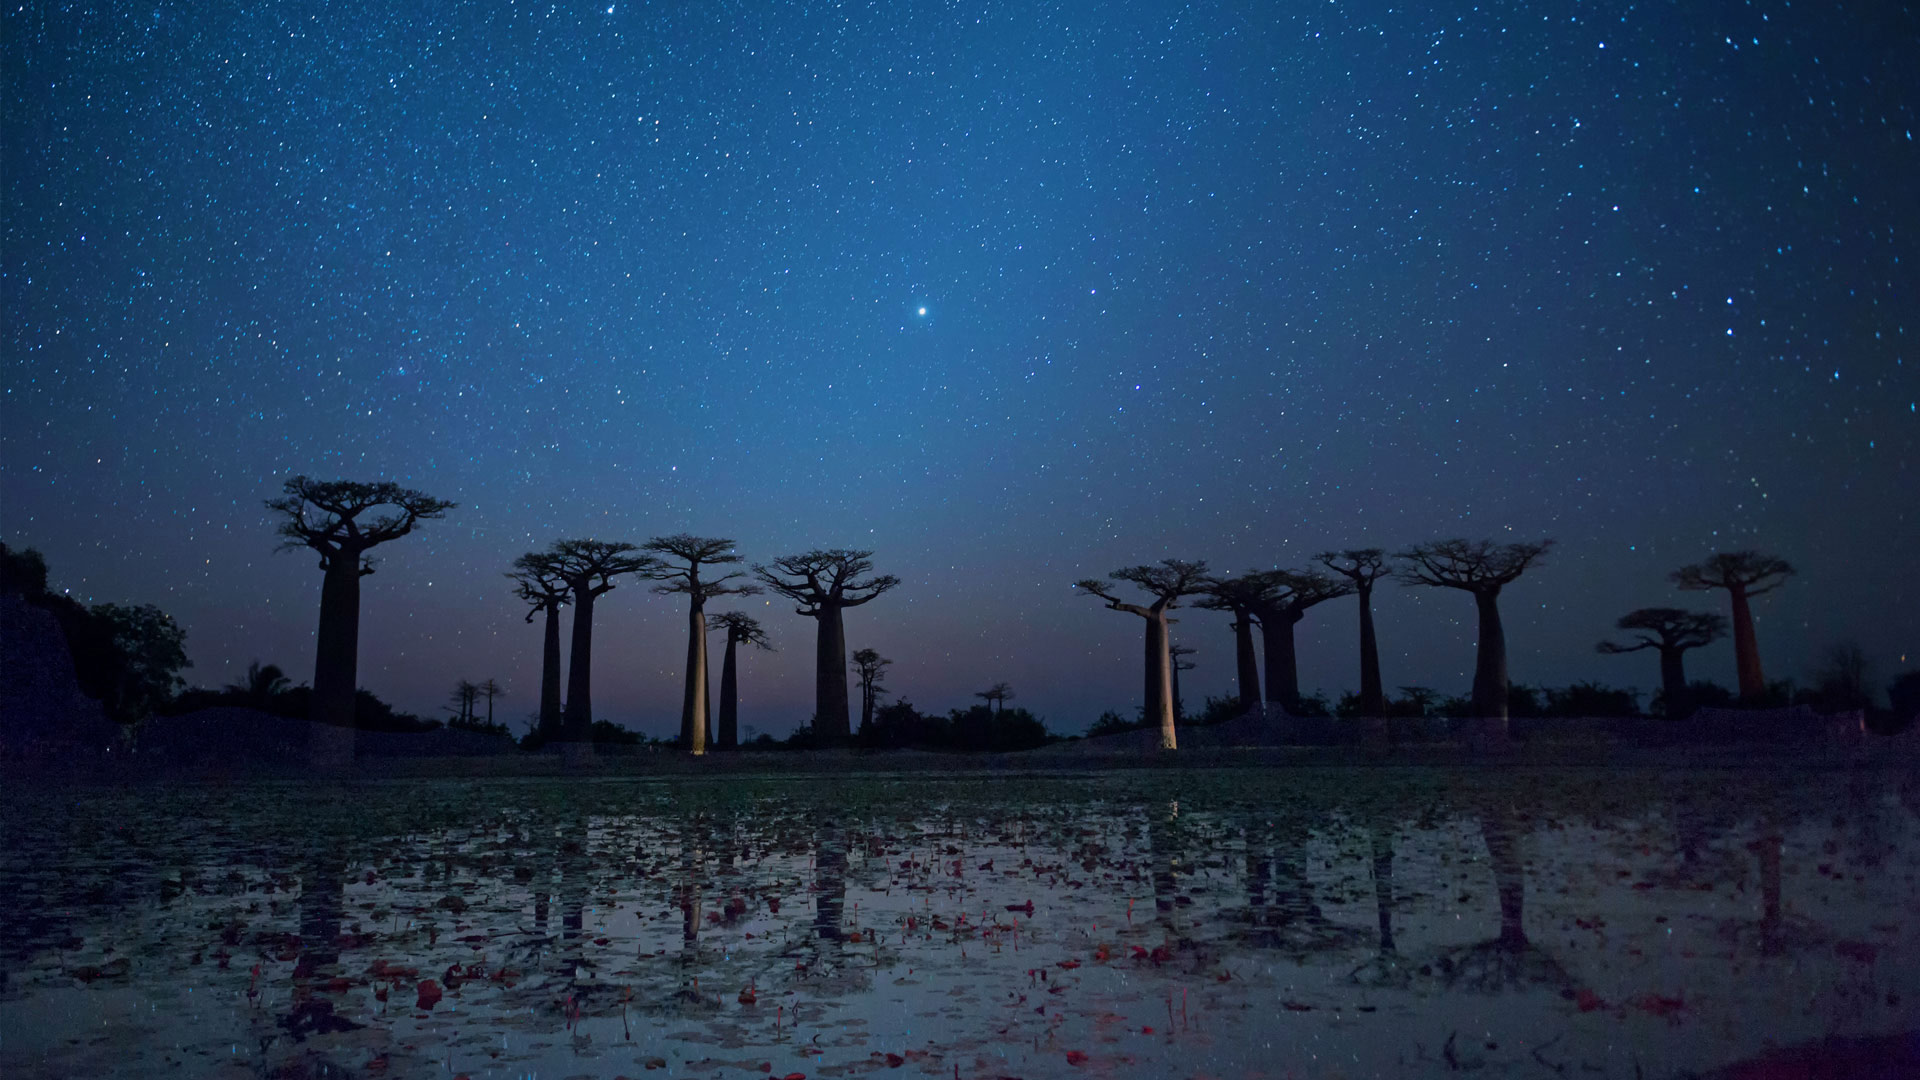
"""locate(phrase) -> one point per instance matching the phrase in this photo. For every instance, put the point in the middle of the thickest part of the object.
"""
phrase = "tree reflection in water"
(1510, 960)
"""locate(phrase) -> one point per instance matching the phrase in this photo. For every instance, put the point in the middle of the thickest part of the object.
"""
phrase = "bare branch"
(1478, 566)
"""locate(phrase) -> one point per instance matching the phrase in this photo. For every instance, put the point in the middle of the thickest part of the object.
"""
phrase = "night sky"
(1011, 293)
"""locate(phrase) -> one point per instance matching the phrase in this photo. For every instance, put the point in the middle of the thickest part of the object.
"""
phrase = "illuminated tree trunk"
(1490, 668)
(1159, 681)
(693, 707)
(729, 699)
(1746, 651)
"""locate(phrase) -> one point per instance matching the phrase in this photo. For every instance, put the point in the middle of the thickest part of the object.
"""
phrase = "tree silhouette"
(1165, 582)
(1178, 655)
(1673, 632)
(490, 689)
(464, 694)
(1283, 602)
(1744, 574)
(1482, 568)
(825, 583)
(996, 696)
(1242, 596)
(325, 516)
(683, 577)
(538, 582)
(587, 568)
(263, 683)
(742, 629)
(1363, 567)
(868, 664)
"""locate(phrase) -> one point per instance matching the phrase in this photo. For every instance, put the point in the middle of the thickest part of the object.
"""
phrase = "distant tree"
(461, 700)
(682, 576)
(1415, 701)
(325, 516)
(1842, 678)
(868, 666)
(262, 683)
(1672, 632)
(148, 652)
(1583, 699)
(537, 581)
(490, 690)
(588, 568)
(825, 583)
(996, 696)
(1363, 567)
(899, 724)
(741, 629)
(1165, 583)
(982, 729)
(1242, 596)
(1178, 655)
(1744, 575)
(1284, 599)
(23, 572)
(1699, 694)
(1112, 723)
(1481, 568)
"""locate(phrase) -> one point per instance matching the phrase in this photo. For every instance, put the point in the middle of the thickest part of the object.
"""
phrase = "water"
(1365, 922)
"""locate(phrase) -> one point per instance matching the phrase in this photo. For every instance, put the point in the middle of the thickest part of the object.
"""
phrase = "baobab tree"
(587, 568)
(325, 515)
(868, 665)
(1178, 655)
(1284, 599)
(1745, 575)
(996, 696)
(1671, 631)
(741, 629)
(537, 582)
(825, 583)
(1165, 583)
(683, 576)
(1363, 567)
(1242, 596)
(1482, 568)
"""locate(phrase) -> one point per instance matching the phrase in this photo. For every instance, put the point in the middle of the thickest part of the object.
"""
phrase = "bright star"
(923, 311)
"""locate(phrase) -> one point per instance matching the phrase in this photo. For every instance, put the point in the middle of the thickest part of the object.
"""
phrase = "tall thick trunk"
(1746, 651)
(1373, 699)
(729, 698)
(1249, 669)
(693, 703)
(577, 723)
(1673, 683)
(1490, 667)
(550, 677)
(337, 654)
(866, 705)
(830, 676)
(1173, 678)
(1159, 702)
(1283, 673)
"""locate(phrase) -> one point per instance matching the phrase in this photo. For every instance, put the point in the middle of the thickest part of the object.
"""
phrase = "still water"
(1339, 923)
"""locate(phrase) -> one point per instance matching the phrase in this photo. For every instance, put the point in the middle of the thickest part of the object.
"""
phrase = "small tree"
(741, 629)
(490, 690)
(262, 683)
(1842, 678)
(868, 666)
(326, 517)
(464, 694)
(149, 652)
(1744, 575)
(1481, 568)
(1363, 567)
(588, 568)
(1165, 583)
(537, 581)
(1283, 599)
(996, 696)
(1672, 632)
(683, 576)
(826, 582)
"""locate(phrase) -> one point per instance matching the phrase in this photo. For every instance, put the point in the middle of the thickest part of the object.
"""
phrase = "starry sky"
(1011, 293)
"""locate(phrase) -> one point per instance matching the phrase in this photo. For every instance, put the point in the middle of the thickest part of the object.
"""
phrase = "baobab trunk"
(1159, 702)
(1249, 669)
(1373, 699)
(335, 663)
(830, 677)
(1746, 652)
(1490, 669)
(1283, 673)
(550, 677)
(1673, 682)
(577, 727)
(693, 708)
(729, 699)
